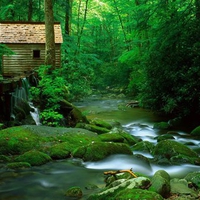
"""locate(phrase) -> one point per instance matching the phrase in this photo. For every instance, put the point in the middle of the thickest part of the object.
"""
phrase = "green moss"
(18, 165)
(60, 151)
(144, 146)
(16, 140)
(129, 139)
(171, 149)
(74, 192)
(165, 137)
(101, 123)
(161, 125)
(111, 137)
(99, 150)
(161, 183)
(93, 128)
(196, 131)
(136, 194)
(4, 158)
(194, 178)
(35, 158)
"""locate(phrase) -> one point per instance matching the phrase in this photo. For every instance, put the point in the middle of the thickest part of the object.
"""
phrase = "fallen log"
(120, 171)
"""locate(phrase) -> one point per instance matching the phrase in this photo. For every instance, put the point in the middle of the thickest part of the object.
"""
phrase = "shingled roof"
(26, 32)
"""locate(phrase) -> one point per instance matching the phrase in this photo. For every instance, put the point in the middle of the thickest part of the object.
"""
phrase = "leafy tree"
(48, 94)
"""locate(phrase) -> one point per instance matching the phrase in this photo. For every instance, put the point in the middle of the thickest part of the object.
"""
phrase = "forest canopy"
(150, 48)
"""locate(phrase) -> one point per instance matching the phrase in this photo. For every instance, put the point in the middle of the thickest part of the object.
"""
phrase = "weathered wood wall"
(22, 61)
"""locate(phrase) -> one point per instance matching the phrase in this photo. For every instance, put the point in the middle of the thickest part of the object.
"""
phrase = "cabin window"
(36, 53)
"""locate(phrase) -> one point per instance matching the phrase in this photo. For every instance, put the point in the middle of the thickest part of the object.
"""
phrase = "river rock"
(34, 158)
(18, 165)
(127, 189)
(16, 140)
(196, 131)
(93, 128)
(60, 151)
(161, 125)
(194, 178)
(165, 137)
(74, 192)
(174, 153)
(180, 187)
(161, 183)
(4, 159)
(99, 150)
(101, 123)
(144, 146)
(111, 137)
(128, 138)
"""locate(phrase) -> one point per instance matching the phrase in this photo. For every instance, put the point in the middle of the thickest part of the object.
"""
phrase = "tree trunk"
(197, 5)
(68, 16)
(49, 30)
(122, 25)
(30, 10)
(80, 29)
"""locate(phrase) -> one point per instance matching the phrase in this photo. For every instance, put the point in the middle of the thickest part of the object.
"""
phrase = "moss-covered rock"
(144, 146)
(161, 183)
(128, 138)
(138, 194)
(4, 158)
(111, 137)
(35, 158)
(175, 152)
(60, 151)
(17, 140)
(165, 137)
(93, 128)
(196, 131)
(161, 125)
(180, 187)
(127, 189)
(74, 192)
(194, 178)
(18, 165)
(101, 123)
(99, 150)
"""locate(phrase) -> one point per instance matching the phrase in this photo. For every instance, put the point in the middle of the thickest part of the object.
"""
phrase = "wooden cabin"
(27, 41)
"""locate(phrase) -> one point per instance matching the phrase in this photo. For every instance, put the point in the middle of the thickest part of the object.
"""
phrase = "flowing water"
(51, 180)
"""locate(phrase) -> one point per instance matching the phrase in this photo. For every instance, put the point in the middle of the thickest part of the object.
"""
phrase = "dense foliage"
(149, 47)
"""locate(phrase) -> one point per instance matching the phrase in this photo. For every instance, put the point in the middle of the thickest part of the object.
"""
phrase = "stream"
(52, 180)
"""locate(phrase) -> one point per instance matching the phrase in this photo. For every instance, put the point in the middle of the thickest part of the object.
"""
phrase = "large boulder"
(99, 150)
(17, 140)
(174, 153)
(144, 146)
(161, 183)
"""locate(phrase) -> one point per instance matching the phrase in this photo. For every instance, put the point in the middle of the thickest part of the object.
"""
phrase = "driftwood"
(132, 104)
(120, 171)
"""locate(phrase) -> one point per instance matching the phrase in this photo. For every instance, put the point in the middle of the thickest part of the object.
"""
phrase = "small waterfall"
(20, 97)
(35, 114)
